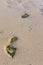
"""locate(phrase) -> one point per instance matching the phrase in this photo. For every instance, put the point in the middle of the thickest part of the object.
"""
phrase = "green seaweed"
(13, 39)
(11, 50)
(25, 15)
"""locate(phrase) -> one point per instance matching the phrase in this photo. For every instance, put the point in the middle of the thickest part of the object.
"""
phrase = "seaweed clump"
(13, 39)
(25, 15)
(10, 49)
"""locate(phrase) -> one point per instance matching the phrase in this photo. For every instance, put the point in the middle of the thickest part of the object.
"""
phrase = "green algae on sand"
(25, 15)
(13, 39)
(11, 50)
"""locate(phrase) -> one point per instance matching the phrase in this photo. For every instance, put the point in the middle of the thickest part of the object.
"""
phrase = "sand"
(29, 31)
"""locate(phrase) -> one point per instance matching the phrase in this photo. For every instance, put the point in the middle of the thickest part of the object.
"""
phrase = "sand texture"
(28, 30)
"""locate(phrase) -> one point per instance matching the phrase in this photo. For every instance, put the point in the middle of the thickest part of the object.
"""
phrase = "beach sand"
(29, 32)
